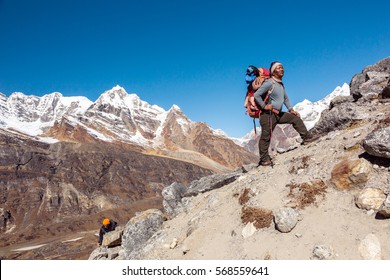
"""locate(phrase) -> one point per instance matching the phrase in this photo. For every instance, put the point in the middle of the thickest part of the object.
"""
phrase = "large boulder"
(172, 196)
(337, 118)
(351, 173)
(113, 238)
(370, 199)
(377, 143)
(286, 219)
(138, 231)
(372, 81)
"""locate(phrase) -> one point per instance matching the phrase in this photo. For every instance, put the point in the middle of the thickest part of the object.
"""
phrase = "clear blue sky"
(190, 53)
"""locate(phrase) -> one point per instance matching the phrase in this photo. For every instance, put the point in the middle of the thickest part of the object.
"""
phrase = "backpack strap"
(269, 92)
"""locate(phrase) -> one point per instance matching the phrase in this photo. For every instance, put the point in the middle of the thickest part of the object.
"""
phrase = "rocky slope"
(327, 200)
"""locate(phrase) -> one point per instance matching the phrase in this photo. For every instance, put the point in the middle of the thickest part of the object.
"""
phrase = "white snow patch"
(28, 248)
(72, 240)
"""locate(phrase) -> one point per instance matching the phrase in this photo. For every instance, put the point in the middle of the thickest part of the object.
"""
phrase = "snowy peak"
(114, 96)
(175, 108)
(33, 115)
(311, 111)
(117, 97)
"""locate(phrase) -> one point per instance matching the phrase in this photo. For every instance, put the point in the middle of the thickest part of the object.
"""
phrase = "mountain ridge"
(115, 116)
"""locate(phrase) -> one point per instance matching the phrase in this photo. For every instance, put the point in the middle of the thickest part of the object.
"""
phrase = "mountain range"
(119, 117)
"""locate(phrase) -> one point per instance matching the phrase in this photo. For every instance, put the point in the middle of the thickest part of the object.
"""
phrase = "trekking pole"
(270, 131)
(270, 123)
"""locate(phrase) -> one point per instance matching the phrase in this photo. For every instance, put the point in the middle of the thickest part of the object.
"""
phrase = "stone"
(360, 172)
(370, 198)
(248, 230)
(370, 248)
(339, 100)
(323, 252)
(172, 196)
(113, 238)
(384, 210)
(337, 118)
(377, 143)
(351, 173)
(286, 219)
(173, 244)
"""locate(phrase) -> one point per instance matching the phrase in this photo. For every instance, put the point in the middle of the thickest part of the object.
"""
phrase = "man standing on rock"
(108, 225)
(270, 97)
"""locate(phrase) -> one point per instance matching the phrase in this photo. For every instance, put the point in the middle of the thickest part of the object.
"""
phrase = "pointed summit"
(114, 95)
(175, 108)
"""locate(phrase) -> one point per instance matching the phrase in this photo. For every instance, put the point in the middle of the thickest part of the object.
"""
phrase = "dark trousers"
(268, 121)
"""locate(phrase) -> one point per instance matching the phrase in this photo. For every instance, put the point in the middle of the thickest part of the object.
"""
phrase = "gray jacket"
(277, 98)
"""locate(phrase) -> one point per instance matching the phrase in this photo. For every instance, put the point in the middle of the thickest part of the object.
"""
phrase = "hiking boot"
(265, 163)
(309, 139)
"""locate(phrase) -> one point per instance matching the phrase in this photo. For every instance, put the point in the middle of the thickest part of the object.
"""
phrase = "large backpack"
(254, 78)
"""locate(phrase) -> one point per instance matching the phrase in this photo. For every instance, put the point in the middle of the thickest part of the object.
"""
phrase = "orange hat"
(106, 222)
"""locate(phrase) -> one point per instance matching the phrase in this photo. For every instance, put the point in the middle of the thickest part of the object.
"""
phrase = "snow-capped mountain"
(33, 115)
(124, 116)
(119, 117)
(311, 111)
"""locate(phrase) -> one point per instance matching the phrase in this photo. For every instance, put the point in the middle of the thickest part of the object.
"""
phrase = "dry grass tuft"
(306, 193)
(262, 218)
(244, 197)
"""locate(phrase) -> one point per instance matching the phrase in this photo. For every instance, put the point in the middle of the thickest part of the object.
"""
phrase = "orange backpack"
(251, 108)
(255, 77)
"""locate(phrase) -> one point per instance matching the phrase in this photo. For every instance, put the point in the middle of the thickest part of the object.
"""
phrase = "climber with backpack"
(107, 226)
(254, 78)
(269, 99)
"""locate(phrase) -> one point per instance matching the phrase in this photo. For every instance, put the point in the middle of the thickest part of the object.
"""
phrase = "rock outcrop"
(138, 231)
(366, 89)
(372, 81)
